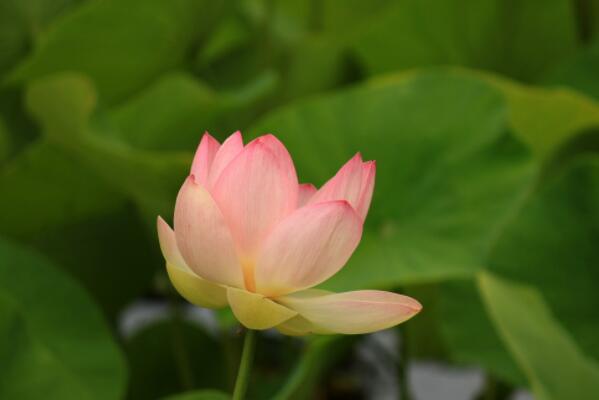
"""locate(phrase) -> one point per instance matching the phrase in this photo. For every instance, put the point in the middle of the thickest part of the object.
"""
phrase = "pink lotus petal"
(368, 174)
(203, 158)
(306, 191)
(230, 148)
(255, 191)
(168, 244)
(345, 185)
(203, 236)
(307, 247)
(357, 312)
(194, 289)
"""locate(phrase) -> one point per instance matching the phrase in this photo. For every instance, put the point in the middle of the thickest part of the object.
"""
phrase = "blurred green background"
(483, 117)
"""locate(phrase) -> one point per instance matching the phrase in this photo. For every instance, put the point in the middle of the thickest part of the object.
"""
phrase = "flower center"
(248, 276)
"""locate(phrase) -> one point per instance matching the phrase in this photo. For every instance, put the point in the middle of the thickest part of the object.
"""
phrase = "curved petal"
(230, 148)
(298, 325)
(368, 174)
(203, 158)
(307, 247)
(354, 182)
(255, 191)
(306, 191)
(203, 236)
(168, 244)
(357, 312)
(194, 289)
(345, 185)
(255, 311)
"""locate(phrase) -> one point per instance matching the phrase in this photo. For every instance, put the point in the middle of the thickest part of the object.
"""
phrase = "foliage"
(482, 116)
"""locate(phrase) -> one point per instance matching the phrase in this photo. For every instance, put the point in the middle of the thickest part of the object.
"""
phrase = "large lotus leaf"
(448, 171)
(552, 245)
(21, 21)
(44, 186)
(53, 340)
(543, 118)
(520, 39)
(63, 105)
(580, 72)
(143, 147)
(469, 335)
(294, 18)
(170, 115)
(546, 118)
(121, 44)
(555, 366)
(5, 145)
(65, 210)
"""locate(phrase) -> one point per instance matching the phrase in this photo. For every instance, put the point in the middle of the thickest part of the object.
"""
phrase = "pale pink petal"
(168, 244)
(307, 247)
(230, 148)
(203, 236)
(298, 325)
(306, 191)
(358, 312)
(255, 311)
(368, 174)
(345, 185)
(194, 289)
(255, 191)
(203, 158)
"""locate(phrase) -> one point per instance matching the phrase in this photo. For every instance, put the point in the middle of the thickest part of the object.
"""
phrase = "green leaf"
(170, 356)
(580, 72)
(5, 145)
(64, 104)
(552, 246)
(20, 23)
(65, 210)
(200, 395)
(449, 171)
(546, 119)
(119, 49)
(169, 115)
(44, 186)
(52, 337)
(519, 39)
(469, 334)
(556, 367)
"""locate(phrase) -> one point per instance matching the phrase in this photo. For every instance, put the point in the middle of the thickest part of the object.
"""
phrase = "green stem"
(247, 356)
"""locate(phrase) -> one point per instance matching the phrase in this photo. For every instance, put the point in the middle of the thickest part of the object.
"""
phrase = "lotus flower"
(247, 235)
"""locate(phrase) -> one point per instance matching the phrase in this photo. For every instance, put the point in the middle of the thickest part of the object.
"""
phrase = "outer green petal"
(255, 311)
(196, 290)
(299, 326)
